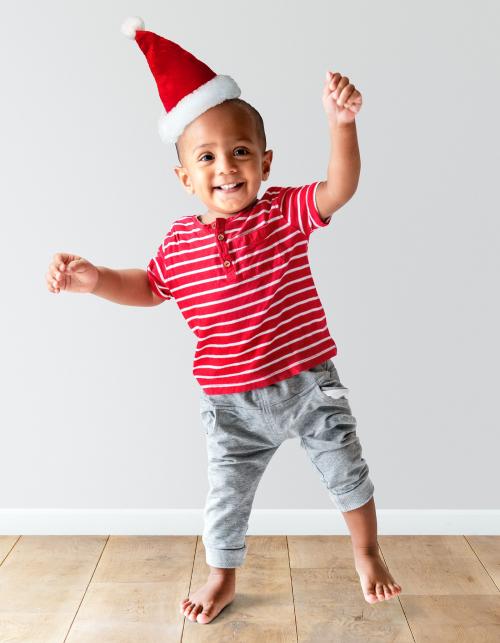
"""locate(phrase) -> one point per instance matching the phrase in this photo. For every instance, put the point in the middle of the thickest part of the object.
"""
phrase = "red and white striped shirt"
(245, 288)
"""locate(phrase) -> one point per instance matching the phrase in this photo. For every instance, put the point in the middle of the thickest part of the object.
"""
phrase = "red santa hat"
(187, 86)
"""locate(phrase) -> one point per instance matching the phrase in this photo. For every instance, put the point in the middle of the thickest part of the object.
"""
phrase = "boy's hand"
(341, 99)
(71, 273)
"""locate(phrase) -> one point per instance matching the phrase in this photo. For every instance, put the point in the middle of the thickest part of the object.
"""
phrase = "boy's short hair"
(259, 123)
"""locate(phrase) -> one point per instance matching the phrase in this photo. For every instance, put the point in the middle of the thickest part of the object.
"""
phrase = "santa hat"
(187, 87)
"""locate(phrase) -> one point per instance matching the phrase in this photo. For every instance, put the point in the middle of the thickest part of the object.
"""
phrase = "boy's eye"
(203, 158)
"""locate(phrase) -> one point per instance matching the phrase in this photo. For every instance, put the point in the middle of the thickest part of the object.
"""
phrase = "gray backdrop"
(99, 405)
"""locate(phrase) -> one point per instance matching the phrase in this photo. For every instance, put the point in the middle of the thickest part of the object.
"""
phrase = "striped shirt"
(245, 288)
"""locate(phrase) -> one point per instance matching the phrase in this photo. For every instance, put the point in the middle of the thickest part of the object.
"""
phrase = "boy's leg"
(333, 446)
(239, 448)
(377, 582)
(235, 467)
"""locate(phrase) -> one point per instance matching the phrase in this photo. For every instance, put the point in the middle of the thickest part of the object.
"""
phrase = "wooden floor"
(297, 588)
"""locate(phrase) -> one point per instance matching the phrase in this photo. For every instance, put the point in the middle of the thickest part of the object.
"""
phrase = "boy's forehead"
(220, 122)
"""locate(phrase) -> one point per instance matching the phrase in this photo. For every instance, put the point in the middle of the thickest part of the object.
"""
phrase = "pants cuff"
(355, 498)
(225, 557)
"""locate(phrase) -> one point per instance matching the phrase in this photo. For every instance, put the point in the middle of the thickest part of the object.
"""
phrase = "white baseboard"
(292, 522)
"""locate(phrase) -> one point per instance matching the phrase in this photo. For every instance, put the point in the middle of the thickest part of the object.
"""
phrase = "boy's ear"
(183, 176)
(266, 164)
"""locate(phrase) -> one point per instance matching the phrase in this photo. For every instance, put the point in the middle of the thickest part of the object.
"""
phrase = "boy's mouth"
(229, 187)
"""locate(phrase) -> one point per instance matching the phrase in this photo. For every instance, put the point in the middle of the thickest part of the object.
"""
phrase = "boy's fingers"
(335, 80)
(343, 83)
(62, 259)
(331, 78)
(326, 92)
(51, 286)
(58, 258)
(345, 94)
(54, 264)
(355, 101)
(50, 279)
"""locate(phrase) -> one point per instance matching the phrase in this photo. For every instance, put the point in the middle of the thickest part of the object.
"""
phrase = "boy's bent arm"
(129, 287)
(343, 170)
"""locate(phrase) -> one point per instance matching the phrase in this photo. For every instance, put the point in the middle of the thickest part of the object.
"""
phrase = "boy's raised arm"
(341, 102)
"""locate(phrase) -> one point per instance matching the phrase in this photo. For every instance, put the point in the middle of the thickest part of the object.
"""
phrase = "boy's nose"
(227, 163)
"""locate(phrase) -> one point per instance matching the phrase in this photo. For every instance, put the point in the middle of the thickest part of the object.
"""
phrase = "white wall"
(99, 405)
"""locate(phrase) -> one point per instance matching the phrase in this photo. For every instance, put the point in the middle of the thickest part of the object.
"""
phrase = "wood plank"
(329, 601)
(450, 619)
(263, 605)
(435, 565)
(42, 582)
(487, 549)
(447, 594)
(6, 544)
(135, 592)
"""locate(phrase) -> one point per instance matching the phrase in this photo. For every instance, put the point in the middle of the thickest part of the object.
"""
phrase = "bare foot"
(204, 605)
(376, 581)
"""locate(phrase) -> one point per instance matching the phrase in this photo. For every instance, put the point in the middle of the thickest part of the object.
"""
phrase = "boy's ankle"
(371, 550)
(222, 571)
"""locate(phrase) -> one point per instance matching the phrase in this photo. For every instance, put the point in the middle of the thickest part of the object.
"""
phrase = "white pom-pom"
(131, 25)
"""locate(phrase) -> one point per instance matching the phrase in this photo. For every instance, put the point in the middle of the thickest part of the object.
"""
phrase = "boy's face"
(221, 147)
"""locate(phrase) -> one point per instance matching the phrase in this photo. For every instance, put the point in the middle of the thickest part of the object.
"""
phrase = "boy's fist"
(71, 273)
(341, 99)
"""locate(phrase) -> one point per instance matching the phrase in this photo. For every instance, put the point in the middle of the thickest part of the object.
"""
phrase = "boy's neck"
(209, 217)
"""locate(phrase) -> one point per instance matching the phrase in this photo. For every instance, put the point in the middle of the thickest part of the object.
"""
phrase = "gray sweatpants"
(243, 431)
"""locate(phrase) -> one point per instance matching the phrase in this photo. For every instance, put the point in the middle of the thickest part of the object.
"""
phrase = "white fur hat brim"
(215, 91)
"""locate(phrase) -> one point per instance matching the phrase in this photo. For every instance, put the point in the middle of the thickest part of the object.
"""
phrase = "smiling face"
(222, 147)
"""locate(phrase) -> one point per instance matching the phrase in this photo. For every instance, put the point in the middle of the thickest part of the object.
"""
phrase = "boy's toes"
(393, 589)
(203, 617)
(207, 615)
(380, 592)
(194, 612)
(370, 595)
(188, 608)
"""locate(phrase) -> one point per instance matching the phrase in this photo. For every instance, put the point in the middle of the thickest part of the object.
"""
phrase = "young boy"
(240, 276)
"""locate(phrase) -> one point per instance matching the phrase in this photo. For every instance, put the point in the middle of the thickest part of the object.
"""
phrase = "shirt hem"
(214, 390)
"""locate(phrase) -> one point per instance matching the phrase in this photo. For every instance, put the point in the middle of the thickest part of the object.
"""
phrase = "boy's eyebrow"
(240, 140)
(202, 145)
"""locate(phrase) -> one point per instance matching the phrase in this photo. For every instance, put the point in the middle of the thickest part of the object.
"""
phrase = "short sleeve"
(298, 206)
(157, 274)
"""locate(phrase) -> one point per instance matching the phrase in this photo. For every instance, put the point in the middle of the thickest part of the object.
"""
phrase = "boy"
(241, 278)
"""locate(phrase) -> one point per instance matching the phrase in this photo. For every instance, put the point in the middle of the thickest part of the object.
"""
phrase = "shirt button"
(227, 263)
(220, 236)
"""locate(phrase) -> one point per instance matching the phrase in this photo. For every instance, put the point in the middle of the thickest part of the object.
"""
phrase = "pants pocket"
(335, 392)
(329, 383)
(208, 416)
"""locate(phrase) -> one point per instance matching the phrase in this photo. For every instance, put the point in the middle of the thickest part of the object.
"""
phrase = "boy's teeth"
(228, 186)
